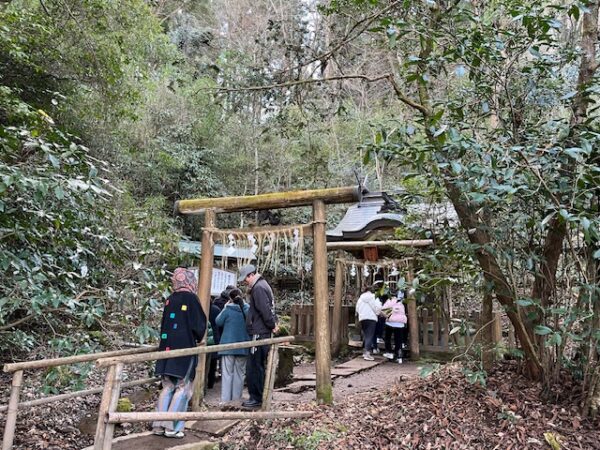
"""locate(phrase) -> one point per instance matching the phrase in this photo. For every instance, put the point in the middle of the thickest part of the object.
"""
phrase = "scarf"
(183, 280)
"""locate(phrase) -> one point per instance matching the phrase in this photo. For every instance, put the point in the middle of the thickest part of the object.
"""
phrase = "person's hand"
(276, 329)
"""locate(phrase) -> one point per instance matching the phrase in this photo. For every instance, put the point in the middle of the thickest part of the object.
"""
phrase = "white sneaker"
(388, 355)
(368, 357)
(375, 351)
(380, 341)
(399, 360)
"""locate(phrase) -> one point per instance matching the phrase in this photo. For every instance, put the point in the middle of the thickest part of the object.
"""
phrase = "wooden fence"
(434, 328)
(302, 322)
(115, 362)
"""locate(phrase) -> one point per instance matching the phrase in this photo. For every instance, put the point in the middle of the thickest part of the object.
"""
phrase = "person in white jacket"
(368, 309)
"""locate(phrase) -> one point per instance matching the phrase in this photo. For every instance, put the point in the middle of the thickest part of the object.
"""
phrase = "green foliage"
(308, 442)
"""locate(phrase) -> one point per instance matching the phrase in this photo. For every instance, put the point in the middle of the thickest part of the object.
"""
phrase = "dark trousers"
(399, 339)
(368, 329)
(212, 370)
(380, 327)
(255, 372)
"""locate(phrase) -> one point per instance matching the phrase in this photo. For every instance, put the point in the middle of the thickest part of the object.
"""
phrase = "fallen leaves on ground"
(443, 411)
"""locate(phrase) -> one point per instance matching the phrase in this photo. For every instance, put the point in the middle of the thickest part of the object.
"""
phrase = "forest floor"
(386, 406)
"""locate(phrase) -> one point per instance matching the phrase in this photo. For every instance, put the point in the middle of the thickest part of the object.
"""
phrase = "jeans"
(174, 397)
(255, 372)
(368, 329)
(233, 371)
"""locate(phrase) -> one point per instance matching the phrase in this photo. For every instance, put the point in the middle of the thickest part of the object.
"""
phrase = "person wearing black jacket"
(261, 323)
(183, 325)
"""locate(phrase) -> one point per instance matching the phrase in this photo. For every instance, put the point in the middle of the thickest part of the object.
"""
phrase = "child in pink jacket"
(395, 325)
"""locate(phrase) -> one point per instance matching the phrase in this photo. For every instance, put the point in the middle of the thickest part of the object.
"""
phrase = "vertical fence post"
(413, 320)
(204, 284)
(112, 406)
(11, 415)
(103, 410)
(336, 327)
(271, 370)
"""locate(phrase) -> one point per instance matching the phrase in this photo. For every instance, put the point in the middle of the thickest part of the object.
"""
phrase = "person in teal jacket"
(233, 362)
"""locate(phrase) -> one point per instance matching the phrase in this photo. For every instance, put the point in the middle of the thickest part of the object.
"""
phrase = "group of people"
(380, 312)
(231, 319)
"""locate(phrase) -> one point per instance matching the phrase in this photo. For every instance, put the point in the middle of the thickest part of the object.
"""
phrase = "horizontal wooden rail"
(57, 398)
(273, 200)
(153, 356)
(44, 363)
(342, 245)
(205, 415)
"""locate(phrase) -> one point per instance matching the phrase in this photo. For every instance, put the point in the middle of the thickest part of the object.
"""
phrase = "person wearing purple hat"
(261, 322)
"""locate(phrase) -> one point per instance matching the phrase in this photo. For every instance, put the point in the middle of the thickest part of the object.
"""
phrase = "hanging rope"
(271, 247)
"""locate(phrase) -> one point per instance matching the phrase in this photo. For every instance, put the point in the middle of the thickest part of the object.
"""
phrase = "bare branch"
(296, 83)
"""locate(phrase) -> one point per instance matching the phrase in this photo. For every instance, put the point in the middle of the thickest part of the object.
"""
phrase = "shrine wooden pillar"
(336, 322)
(204, 282)
(413, 322)
(321, 306)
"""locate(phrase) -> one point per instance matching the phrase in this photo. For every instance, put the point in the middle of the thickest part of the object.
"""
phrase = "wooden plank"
(366, 244)
(44, 363)
(445, 329)
(272, 200)
(154, 356)
(57, 398)
(425, 326)
(324, 390)
(206, 415)
(436, 327)
(13, 407)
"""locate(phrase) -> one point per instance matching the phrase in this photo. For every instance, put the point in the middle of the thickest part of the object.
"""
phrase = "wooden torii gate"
(318, 198)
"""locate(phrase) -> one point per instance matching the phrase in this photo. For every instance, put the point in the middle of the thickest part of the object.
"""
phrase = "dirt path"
(367, 377)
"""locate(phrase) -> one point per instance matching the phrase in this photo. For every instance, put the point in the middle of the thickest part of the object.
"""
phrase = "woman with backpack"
(233, 362)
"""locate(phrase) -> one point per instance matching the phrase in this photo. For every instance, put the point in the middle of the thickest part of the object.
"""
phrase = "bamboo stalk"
(84, 393)
(363, 244)
(13, 405)
(271, 370)
(324, 389)
(43, 363)
(272, 200)
(112, 407)
(206, 415)
(154, 356)
(204, 282)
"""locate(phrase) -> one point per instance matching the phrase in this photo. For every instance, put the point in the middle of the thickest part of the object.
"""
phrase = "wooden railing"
(115, 361)
(17, 370)
(108, 415)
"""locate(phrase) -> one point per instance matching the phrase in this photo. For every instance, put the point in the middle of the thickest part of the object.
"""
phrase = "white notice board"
(220, 280)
